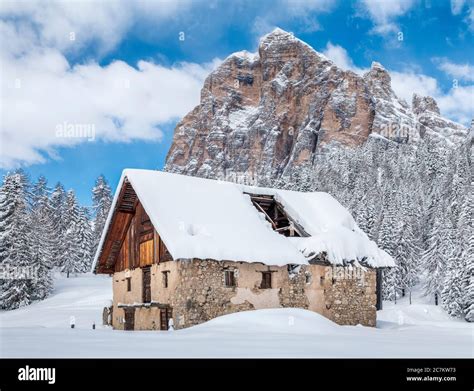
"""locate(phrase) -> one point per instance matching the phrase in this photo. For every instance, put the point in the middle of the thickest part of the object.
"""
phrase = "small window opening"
(129, 284)
(165, 278)
(229, 278)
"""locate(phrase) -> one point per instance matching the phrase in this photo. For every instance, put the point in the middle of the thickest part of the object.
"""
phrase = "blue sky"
(132, 70)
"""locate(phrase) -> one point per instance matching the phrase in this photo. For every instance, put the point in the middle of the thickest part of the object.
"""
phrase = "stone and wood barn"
(191, 249)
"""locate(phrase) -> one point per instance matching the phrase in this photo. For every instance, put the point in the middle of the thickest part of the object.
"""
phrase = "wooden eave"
(117, 228)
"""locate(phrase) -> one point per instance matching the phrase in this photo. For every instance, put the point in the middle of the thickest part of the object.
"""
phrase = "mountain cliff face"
(263, 114)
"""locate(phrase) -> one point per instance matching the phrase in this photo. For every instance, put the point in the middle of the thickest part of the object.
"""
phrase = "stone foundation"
(196, 292)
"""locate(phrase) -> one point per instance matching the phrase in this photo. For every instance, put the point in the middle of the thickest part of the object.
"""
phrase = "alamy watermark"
(401, 131)
(8, 272)
(336, 273)
(37, 374)
(76, 130)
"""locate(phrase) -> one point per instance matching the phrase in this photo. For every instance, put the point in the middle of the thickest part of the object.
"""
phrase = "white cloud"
(405, 84)
(457, 8)
(341, 58)
(298, 7)
(384, 13)
(41, 91)
(456, 104)
(281, 11)
(457, 71)
(101, 23)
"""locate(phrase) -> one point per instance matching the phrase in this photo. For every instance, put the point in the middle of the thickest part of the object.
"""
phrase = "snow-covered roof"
(211, 219)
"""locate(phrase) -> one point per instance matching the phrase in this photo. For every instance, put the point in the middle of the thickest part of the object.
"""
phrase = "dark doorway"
(146, 275)
(165, 315)
(379, 288)
(129, 318)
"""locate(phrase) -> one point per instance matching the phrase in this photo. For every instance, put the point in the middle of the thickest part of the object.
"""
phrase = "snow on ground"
(43, 330)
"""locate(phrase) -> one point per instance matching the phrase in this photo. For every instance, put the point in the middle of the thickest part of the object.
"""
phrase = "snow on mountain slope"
(42, 330)
(263, 114)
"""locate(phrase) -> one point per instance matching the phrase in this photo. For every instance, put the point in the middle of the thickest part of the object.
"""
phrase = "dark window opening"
(229, 276)
(146, 275)
(129, 284)
(266, 280)
(165, 278)
(276, 215)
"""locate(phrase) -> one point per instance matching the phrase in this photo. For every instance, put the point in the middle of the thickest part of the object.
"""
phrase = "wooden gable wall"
(131, 240)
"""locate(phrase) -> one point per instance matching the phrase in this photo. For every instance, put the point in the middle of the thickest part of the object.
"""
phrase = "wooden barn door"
(129, 319)
(146, 285)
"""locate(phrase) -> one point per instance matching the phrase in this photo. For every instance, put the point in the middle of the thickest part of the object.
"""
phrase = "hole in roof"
(276, 215)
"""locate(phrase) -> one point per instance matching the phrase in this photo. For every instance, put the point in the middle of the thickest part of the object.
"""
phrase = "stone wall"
(196, 292)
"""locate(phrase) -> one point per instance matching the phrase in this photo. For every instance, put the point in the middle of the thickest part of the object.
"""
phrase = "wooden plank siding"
(146, 253)
(131, 240)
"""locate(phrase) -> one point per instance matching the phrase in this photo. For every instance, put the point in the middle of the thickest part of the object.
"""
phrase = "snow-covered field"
(43, 330)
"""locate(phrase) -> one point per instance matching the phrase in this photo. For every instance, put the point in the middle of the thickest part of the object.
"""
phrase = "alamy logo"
(37, 374)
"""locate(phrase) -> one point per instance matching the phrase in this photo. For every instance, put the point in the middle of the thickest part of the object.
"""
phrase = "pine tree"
(84, 239)
(73, 255)
(101, 203)
(433, 258)
(452, 295)
(14, 241)
(366, 216)
(388, 241)
(407, 258)
(468, 283)
(42, 239)
(58, 211)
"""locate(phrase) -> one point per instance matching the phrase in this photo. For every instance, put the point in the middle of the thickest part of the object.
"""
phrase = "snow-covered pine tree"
(451, 293)
(388, 240)
(433, 261)
(468, 282)
(73, 255)
(452, 296)
(101, 203)
(58, 211)
(84, 238)
(460, 182)
(366, 215)
(42, 239)
(465, 231)
(14, 241)
(407, 256)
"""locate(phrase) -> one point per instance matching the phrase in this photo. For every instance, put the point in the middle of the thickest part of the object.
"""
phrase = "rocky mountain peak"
(276, 36)
(421, 104)
(379, 80)
(262, 114)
